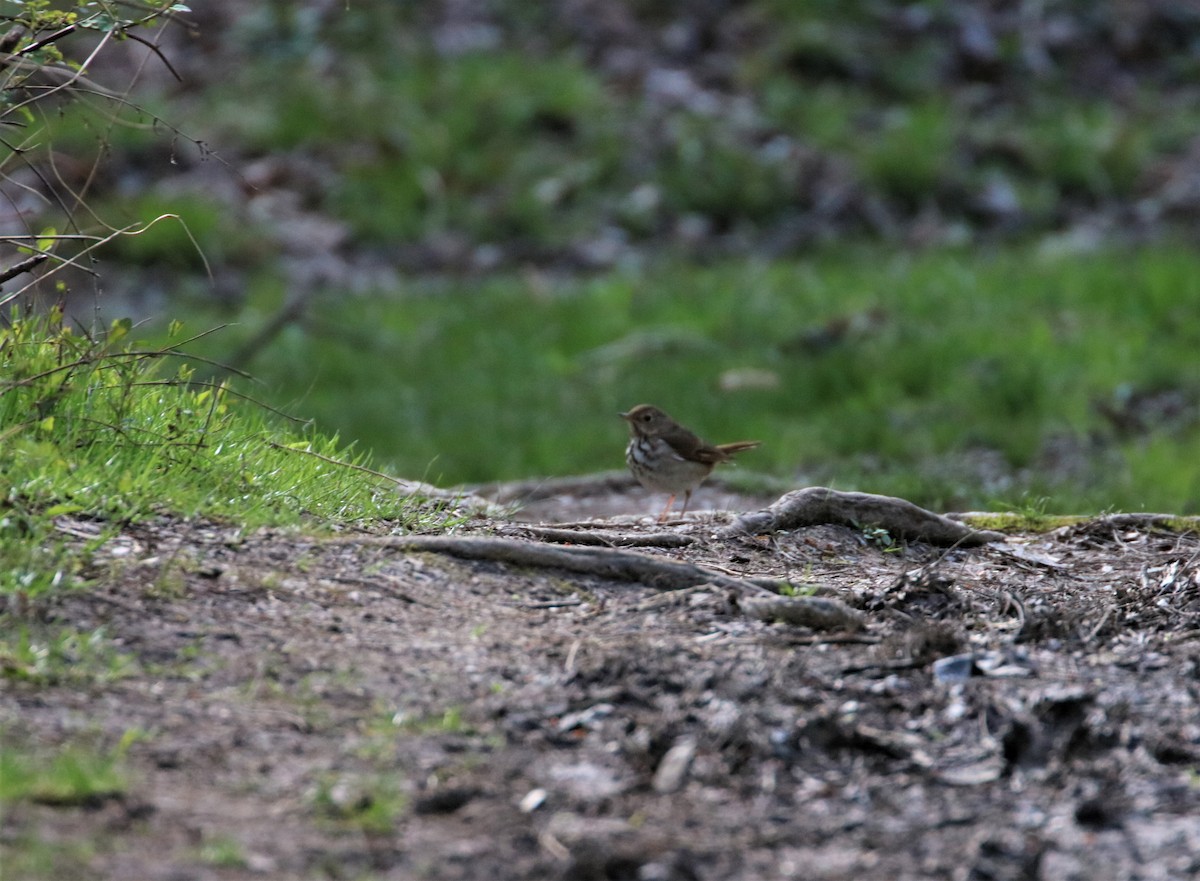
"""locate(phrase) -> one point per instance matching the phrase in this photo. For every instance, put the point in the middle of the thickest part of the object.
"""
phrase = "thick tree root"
(756, 597)
(817, 613)
(901, 518)
(604, 562)
(611, 538)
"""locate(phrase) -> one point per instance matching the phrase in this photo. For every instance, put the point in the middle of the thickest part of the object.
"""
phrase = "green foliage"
(708, 169)
(829, 115)
(72, 116)
(1093, 148)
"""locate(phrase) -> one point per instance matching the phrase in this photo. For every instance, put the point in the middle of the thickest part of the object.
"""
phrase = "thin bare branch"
(24, 266)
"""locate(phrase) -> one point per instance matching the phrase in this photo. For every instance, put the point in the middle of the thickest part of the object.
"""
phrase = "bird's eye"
(645, 417)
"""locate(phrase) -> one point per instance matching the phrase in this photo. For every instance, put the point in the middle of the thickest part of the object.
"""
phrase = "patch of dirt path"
(311, 709)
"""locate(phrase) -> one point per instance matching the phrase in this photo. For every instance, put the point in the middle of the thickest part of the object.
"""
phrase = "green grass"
(486, 144)
(528, 141)
(910, 154)
(29, 857)
(81, 774)
(223, 852)
(93, 428)
(43, 655)
(535, 146)
(948, 354)
(75, 774)
(371, 803)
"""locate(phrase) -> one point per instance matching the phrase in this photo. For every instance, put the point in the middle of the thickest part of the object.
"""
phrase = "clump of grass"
(223, 852)
(33, 858)
(76, 774)
(47, 655)
(911, 155)
(370, 804)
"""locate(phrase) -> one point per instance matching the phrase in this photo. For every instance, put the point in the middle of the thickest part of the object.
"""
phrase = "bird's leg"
(662, 518)
(687, 498)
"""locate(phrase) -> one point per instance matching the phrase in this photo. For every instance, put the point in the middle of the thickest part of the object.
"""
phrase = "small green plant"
(30, 857)
(880, 538)
(713, 172)
(75, 774)
(449, 721)
(372, 804)
(48, 655)
(223, 852)
(791, 589)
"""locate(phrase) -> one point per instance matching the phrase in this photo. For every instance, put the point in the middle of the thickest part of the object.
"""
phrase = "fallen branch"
(817, 505)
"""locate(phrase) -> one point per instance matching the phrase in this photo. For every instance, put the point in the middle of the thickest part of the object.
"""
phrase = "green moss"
(1020, 522)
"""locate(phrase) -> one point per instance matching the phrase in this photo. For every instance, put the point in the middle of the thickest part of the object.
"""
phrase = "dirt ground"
(1021, 710)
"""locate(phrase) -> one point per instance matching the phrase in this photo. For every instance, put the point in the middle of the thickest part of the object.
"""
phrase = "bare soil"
(1025, 709)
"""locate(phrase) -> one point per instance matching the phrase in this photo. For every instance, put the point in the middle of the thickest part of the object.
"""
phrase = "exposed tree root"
(817, 613)
(604, 562)
(901, 518)
(611, 538)
(598, 552)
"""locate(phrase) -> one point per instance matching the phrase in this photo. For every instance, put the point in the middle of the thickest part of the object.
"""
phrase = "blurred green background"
(945, 250)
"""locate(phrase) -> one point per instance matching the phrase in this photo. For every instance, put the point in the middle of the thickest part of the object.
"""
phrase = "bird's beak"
(624, 416)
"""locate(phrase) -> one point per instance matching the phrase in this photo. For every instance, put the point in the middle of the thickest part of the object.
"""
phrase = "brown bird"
(666, 457)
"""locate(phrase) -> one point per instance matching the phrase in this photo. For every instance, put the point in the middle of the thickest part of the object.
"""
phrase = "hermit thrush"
(666, 457)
